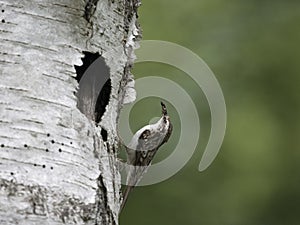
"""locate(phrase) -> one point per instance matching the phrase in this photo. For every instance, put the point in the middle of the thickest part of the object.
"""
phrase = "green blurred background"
(253, 47)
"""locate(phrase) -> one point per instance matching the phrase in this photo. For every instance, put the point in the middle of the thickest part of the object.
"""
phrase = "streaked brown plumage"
(143, 147)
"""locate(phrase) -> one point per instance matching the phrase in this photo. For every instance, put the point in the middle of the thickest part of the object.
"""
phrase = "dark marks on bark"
(90, 9)
(102, 206)
(42, 202)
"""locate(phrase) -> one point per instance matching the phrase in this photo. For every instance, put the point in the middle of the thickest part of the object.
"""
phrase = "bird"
(142, 149)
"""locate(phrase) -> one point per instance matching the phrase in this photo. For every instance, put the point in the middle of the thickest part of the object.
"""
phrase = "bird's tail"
(126, 193)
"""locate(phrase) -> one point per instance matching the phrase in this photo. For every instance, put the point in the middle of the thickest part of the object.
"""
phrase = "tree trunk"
(57, 166)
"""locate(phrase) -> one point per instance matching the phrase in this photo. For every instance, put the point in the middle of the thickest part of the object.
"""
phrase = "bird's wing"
(147, 146)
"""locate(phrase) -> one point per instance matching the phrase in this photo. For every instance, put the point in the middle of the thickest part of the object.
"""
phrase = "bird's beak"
(164, 109)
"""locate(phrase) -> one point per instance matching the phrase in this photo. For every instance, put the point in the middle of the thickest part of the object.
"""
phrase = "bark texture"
(56, 166)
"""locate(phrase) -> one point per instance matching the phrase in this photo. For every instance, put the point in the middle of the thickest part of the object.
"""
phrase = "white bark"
(54, 166)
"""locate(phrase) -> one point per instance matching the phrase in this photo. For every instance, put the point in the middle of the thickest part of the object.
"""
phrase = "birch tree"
(58, 162)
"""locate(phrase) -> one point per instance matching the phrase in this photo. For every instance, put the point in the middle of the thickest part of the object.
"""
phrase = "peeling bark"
(56, 165)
